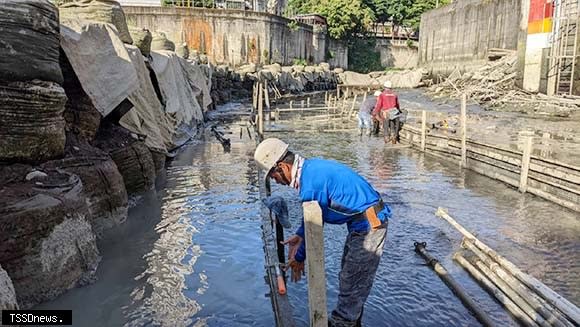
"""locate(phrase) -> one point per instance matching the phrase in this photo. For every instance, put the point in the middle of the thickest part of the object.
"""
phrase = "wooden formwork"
(550, 179)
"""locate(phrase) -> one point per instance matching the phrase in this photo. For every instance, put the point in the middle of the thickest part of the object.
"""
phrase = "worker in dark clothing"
(344, 197)
(364, 113)
(388, 110)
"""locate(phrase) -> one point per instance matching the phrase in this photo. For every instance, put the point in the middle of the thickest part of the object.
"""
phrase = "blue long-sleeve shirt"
(341, 193)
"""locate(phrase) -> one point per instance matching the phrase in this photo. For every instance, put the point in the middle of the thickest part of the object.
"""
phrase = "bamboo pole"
(481, 316)
(352, 106)
(308, 102)
(423, 129)
(526, 155)
(260, 112)
(463, 131)
(315, 261)
(254, 98)
(570, 310)
(488, 285)
(518, 300)
(549, 313)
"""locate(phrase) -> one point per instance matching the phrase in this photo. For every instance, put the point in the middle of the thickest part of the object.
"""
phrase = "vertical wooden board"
(464, 131)
(260, 111)
(423, 129)
(315, 264)
(527, 153)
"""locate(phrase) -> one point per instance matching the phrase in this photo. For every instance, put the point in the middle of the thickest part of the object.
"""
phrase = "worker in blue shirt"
(345, 197)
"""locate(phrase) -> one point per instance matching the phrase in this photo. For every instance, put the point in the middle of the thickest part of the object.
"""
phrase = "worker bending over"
(345, 197)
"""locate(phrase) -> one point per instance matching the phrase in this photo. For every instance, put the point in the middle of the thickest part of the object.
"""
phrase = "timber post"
(463, 131)
(525, 167)
(423, 129)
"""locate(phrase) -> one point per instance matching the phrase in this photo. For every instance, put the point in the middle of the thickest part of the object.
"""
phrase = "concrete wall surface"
(459, 35)
(396, 53)
(233, 37)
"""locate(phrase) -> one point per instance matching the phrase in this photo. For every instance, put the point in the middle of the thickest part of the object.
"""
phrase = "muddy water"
(192, 254)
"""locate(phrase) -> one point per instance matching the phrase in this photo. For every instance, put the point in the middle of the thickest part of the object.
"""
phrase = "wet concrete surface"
(191, 255)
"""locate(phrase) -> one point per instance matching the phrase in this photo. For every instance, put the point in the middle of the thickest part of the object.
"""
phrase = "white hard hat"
(377, 93)
(388, 84)
(269, 152)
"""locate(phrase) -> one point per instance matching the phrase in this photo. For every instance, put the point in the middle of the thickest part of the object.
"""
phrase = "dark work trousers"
(391, 128)
(360, 260)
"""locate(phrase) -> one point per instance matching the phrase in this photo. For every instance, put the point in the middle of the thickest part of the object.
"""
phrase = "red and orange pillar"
(537, 45)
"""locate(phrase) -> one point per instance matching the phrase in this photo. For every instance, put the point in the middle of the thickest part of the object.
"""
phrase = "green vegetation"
(352, 18)
(293, 25)
(362, 56)
(299, 62)
(351, 21)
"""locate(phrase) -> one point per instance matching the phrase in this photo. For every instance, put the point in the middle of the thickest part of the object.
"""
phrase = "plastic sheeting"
(147, 116)
(100, 61)
(180, 99)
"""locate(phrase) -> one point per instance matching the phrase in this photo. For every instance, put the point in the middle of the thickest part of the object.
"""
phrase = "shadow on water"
(192, 254)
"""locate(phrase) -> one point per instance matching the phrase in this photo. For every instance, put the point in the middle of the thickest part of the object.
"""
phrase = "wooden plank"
(423, 129)
(525, 163)
(463, 131)
(315, 263)
(260, 111)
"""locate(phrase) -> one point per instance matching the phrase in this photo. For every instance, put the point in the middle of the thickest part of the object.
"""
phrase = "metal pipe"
(548, 312)
(488, 285)
(567, 308)
(481, 316)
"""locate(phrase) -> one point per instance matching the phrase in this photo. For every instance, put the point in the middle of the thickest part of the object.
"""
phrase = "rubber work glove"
(297, 270)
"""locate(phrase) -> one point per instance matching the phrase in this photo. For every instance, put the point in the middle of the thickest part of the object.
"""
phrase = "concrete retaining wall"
(233, 37)
(397, 54)
(459, 35)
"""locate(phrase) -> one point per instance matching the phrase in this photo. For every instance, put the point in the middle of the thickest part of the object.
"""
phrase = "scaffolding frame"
(564, 53)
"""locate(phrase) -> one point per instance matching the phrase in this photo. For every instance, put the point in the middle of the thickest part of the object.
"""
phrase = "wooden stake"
(315, 262)
(308, 102)
(291, 102)
(526, 155)
(423, 129)
(463, 162)
(260, 112)
(352, 106)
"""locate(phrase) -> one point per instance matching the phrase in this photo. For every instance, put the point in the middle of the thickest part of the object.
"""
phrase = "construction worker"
(388, 110)
(345, 197)
(364, 113)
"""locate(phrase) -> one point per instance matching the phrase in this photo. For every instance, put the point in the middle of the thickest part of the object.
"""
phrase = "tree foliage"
(348, 18)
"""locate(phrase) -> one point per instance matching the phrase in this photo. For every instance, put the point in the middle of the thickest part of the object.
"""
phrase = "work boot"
(361, 132)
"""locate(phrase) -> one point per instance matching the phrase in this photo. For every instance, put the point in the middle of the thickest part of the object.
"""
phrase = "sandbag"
(105, 11)
(46, 244)
(141, 39)
(80, 114)
(30, 41)
(161, 42)
(102, 183)
(32, 124)
(132, 157)
(147, 116)
(182, 50)
(7, 294)
(104, 70)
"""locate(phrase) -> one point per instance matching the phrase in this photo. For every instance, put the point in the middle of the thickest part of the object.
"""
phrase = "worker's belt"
(371, 214)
